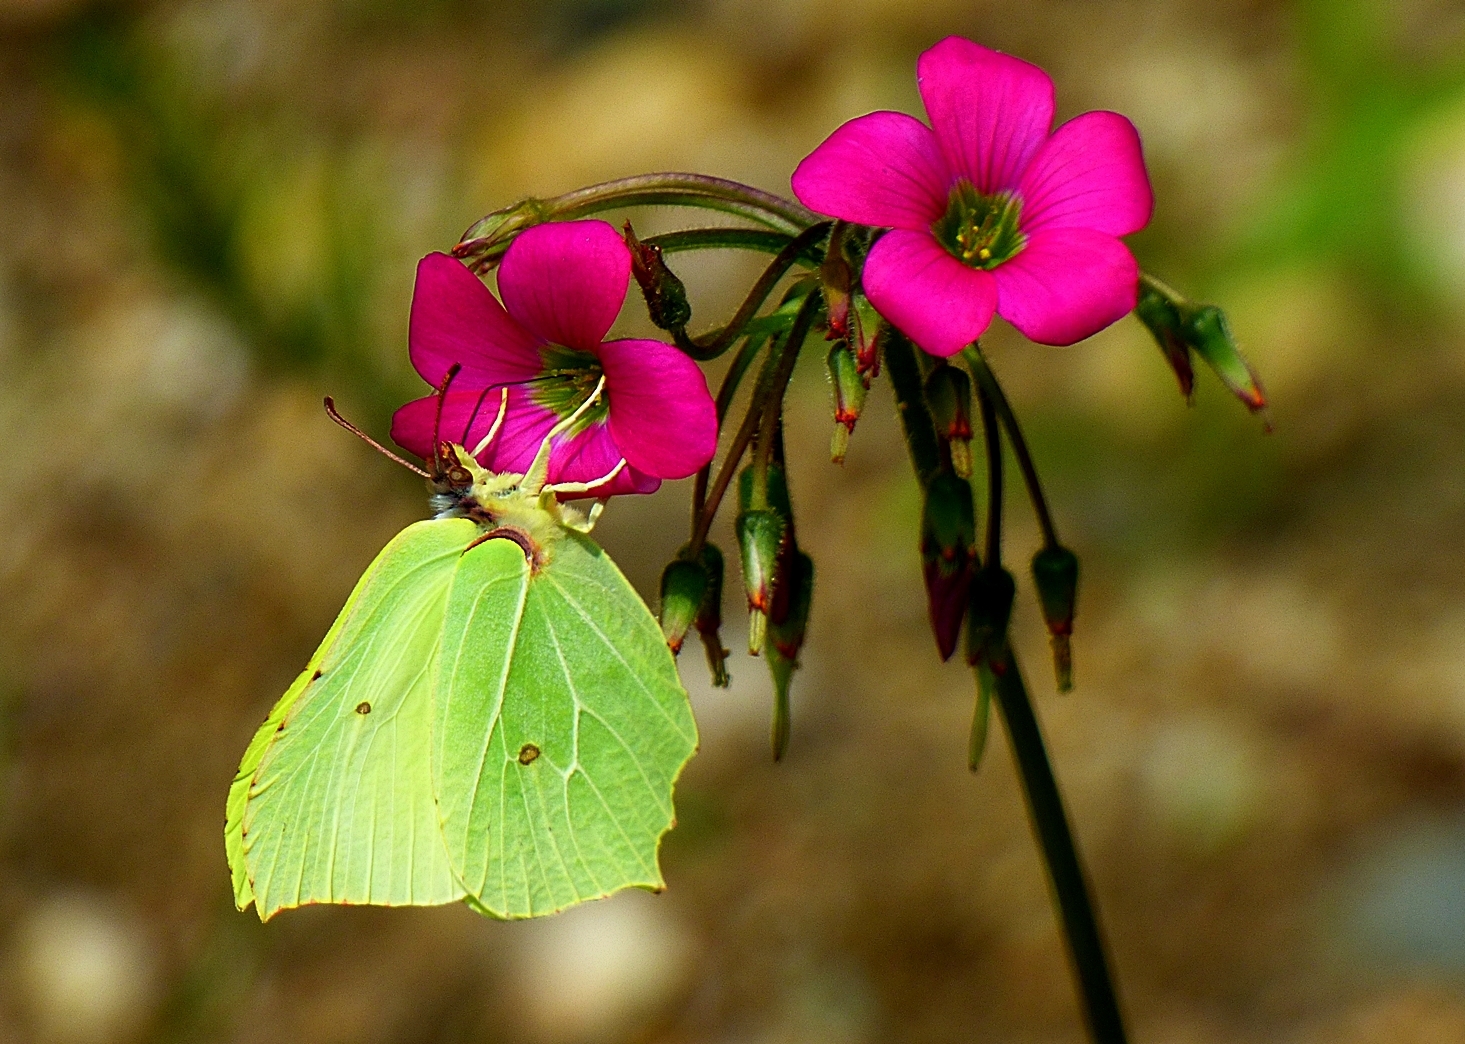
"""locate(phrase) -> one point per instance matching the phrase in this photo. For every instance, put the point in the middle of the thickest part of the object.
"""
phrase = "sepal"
(949, 395)
(683, 589)
(849, 388)
(760, 537)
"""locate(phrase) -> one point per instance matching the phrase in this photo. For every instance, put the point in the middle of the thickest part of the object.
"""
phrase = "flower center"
(981, 231)
(569, 378)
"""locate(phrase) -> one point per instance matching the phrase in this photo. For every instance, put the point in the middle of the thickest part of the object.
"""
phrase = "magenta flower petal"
(566, 281)
(467, 417)
(456, 319)
(1090, 174)
(661, 415)
(1067, 284)
(592, 454)
(882, 169)
(991, 111)
(930, 296)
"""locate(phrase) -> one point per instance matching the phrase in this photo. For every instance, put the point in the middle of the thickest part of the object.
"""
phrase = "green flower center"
(569, 378)
(981, 231)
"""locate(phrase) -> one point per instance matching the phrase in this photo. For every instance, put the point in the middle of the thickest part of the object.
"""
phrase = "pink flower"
(988, 211)
(541, 353)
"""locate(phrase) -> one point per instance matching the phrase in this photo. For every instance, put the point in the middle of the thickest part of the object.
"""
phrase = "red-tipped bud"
(948, 549)
(760, 536)
(1161, 317)
(683, 589)
(865, 337)
(1055, 572)
(709, 615)
(849, 389)
(989, 612)
(835, 277)
(949, 395)
(666, 295)
(784, 642)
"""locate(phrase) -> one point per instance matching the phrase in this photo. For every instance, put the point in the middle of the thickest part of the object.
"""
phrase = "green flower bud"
(683, 588)
(709, 613)
(949, 396)
(1162, 319)
(760, 537)
(865, 337)
(989, 612)
(666, 296)
(1181, 327)
(785, 641)
(1055, 572)
(849, 389)
(948, 550)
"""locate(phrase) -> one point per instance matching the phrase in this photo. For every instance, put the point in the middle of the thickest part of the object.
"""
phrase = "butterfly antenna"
(354, 430)
(437, 420)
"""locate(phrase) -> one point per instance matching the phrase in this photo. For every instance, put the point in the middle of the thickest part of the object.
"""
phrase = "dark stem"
(1050, 822)
(987, 380)
(729, 388)
(993, 440)
(777, 363)
(910, 401)
(712, 345)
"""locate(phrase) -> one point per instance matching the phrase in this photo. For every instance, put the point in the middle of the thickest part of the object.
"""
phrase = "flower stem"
(487, 239)
(987, 381)
(712, 345)
(1050, 823)
(910, 401)
(776, 372)
(993, 440)
(729, 388)
(755, 239)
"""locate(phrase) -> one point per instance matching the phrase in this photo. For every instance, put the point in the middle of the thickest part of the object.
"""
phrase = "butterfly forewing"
(560, 726)
(340, 807)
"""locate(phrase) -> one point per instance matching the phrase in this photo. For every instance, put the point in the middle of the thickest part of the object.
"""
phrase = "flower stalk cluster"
(906, 240)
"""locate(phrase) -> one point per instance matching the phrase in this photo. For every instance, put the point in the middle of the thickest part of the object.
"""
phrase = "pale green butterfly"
(494, 717)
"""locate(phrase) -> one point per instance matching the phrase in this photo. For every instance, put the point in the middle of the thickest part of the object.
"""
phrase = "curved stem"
(712, 345)
(987, 380)
(487, 239)
(756, 239)
(1065, 870)
(780, 363)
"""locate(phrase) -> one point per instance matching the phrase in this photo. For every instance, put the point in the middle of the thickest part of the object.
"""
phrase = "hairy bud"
(949, 395)
(1055, 572)
(948, 550)
(666, 296)
(683, 589)
(849, 389)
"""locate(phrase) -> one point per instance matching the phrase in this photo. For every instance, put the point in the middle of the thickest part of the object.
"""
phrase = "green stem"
(712, 345)
(1050, 822)
(485, 242)
(993, 440)
(755, 239)
(987, 380)
(776, 364)
(729, 388)
(910, 401)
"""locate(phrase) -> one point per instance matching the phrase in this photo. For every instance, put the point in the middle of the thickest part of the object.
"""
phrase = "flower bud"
(849, 389)
(1209, 334)
(760, 537)
(949, 395)
(488, 238)
(785, 641)
(683, 589)
(835, 277)
(709, 614)
(1055, 572)
(1162, 319)
(666, 296)
(988, 614)
(948, 547)
(865, 337)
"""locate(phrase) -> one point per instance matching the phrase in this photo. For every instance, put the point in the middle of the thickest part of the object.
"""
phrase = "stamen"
(498, 422)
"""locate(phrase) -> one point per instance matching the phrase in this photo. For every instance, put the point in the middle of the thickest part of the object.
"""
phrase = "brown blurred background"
(209, 216)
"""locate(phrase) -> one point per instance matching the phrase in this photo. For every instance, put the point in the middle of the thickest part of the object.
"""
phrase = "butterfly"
(493, 718)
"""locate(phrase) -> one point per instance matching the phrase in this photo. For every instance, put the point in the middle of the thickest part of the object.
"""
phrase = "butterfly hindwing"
(560, 726)
(339, 805)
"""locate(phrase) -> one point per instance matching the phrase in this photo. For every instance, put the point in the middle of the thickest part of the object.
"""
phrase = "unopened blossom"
(988, 211)
(562, 284)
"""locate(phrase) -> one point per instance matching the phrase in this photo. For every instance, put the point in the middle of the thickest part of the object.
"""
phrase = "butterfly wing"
(559, 728)
(333, 803)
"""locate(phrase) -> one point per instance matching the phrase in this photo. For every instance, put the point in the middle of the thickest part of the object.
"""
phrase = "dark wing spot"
(527, 753)
(314, 676)
(363, 708)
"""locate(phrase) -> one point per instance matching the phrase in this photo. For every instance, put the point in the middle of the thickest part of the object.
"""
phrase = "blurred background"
(209, 216)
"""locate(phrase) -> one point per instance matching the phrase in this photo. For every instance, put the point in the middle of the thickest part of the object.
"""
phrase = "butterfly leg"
(571, 518)
(538, 473)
